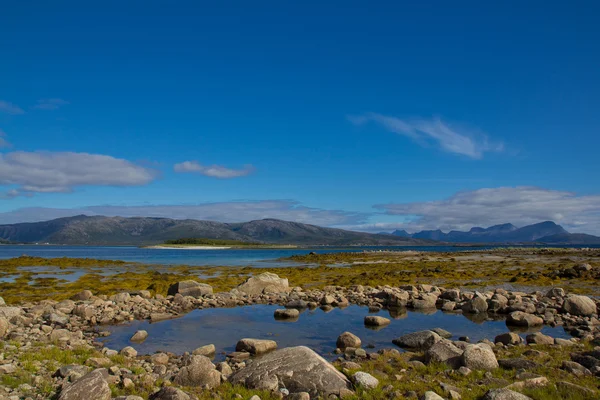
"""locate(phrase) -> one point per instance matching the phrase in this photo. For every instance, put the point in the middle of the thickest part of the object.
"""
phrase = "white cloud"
(53, 172)
(232, 211)
(522, 205)
(214, 171)
(50, 104)
(425, 131)
(10, 108)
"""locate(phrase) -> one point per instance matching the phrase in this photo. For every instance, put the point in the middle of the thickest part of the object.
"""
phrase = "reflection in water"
(316, 328)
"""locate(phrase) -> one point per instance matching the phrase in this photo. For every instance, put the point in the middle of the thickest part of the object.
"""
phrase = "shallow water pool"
(316, 329)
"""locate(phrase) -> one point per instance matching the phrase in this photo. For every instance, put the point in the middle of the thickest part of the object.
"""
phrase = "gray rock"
(190, 288)
(365, 380)
(444, 351)
(255, 346)
(575, 368)
(170, 393)
(442, 332)
(579, 305)
(266, 282)
(479, 356)
(375, 320)
(504, 394)
(418, 340)
(299, 396)
(299, 369)
(578, 390)
(424, 301)
(539, 338)
(2, 302)
(508, 338)
(286, 313)
(297, 304)
(84, 295)
(348, 339)
(206, 351)
(517, 363)
(92, 386)
(4, 325)
(520, 318)
(556, 292)
(199, 371)
(139, 336)
(477, 305)
(429, 395)
(10, 312)
(129, 352)
(66, 370)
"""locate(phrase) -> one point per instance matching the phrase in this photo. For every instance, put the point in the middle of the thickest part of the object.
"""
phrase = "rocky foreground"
(53, 350)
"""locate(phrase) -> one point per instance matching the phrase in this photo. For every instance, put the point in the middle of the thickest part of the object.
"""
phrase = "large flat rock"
(298, 369)
(266, 282)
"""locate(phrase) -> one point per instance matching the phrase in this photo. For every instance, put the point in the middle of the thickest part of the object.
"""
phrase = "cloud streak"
(427, 131)
(521, 205)
(61, 172)
(232, 211)
(10, 108)
(50, 104)
(213, 171)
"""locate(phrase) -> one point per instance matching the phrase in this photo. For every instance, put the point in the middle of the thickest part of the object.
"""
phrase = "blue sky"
(353, 114)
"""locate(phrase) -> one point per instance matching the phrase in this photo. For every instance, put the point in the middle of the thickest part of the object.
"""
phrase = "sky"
(362, 115)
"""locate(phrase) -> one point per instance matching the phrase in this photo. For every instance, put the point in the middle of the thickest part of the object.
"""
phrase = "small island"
(215, 244)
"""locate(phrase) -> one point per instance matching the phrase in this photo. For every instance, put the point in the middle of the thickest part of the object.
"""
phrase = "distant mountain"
(543, 232)
(101, 230)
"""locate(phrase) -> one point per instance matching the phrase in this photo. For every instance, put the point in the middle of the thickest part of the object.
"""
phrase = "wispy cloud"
(10, 108)
(214, 171)
(521, 205)
(229, 211)
(60, 172)
(468, 143)
(50, 104)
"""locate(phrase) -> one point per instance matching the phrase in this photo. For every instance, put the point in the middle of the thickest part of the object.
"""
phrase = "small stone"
(539, 338)
(479, 356)
(508, 338)
(429, 395)
(159, 359)
(286, 313)
(365, 380)
(256, 346)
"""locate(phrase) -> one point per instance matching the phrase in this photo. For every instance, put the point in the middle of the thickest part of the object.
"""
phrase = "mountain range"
(100, 230)
(544, 232)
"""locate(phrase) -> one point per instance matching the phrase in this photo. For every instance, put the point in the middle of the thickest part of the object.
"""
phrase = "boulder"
(139, 336)
(298, 369)
(2, 302)
(170, 393)
(207, 350)
(556, 292)
(539, 338)
(579, 305)
(92, 386)
(375, 320)
(128, 352)
(190, 288)
(477, 305)
(84, 295)
(287, 313)
(256, 346)
(348, 339)
(479, 356)
(200, 372)
(424, 301)
(444, 351)
(520, 318)
(442, 332)
(508, 338)
(266, 282)
(504, 394)
(10, 312)
(517, 363)
(418, 340)
(365, 380)
(4, 325)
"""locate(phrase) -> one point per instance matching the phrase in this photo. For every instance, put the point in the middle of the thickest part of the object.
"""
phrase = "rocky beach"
(54, 349)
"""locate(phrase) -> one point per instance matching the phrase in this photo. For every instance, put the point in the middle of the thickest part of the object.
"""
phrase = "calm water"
(316, 329)
(229, 257)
